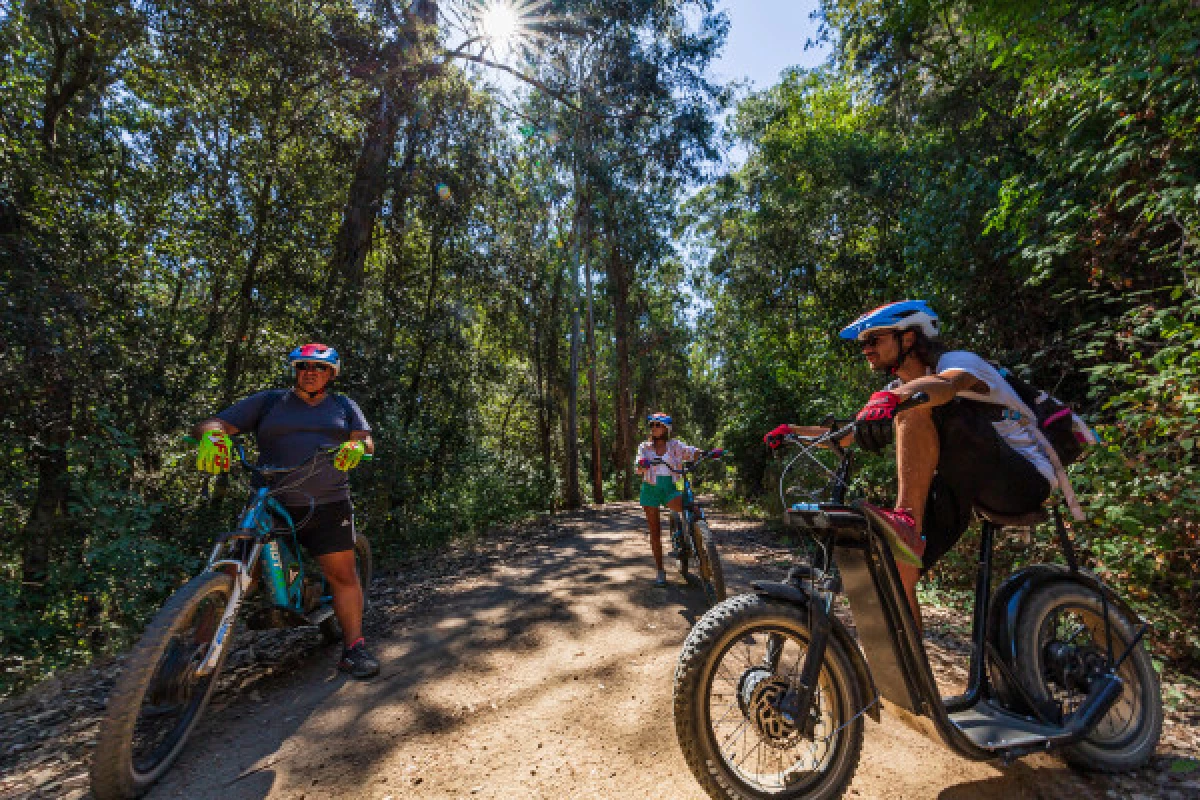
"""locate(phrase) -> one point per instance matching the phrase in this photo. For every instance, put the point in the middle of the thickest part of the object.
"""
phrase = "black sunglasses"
(873, 339)
(305, 366)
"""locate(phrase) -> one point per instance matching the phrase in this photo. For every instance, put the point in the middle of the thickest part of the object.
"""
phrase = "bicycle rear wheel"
(160, 695)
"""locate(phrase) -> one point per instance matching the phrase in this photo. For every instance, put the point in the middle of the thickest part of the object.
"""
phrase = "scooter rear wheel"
(736, 743)
(1060, 638)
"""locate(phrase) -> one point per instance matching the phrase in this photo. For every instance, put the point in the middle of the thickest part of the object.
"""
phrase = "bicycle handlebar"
(259, 469)
(708, 455)
(836, 435)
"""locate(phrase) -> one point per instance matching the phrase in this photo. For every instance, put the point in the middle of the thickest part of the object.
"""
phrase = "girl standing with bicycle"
(658, 484)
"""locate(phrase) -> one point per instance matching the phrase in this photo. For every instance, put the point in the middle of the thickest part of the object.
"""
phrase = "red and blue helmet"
(316, 354)
(903, 316)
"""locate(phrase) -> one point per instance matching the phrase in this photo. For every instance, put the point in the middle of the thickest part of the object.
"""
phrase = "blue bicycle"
(171, 673)
(690, 536)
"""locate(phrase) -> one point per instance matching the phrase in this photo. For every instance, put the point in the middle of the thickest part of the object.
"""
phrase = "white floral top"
(677, 452)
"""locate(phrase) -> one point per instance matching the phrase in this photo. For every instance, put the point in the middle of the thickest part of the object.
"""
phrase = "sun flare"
(499, 23)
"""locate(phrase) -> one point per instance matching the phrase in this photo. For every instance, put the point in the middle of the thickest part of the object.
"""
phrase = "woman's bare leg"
(652, 517)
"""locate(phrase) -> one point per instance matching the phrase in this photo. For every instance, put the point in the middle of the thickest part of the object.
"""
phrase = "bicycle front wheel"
(161, 694)
(679, 544)
(712, 574)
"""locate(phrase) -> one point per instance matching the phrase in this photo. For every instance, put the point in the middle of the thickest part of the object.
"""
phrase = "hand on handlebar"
(644, 463)
(774, 437)
(348, 455)
(873, 425)
(214, 452)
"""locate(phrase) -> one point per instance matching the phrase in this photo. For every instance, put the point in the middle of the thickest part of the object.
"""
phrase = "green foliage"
(1030, 168)
(189, 190)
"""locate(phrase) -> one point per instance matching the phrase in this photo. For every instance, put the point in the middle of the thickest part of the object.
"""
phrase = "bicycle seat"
(1026, 520)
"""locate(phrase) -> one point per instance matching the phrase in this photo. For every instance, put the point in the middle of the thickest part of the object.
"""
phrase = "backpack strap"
(273, 398)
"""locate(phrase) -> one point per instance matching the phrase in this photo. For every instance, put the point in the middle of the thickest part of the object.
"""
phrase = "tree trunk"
(594, 404)
(435, 275)
(618, 279)
(363, 203)
(233, 355)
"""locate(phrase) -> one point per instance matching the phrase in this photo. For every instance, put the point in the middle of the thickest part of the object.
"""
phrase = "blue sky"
(766, 37)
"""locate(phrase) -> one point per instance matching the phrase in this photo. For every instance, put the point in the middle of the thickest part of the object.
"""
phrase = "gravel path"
(537, 664)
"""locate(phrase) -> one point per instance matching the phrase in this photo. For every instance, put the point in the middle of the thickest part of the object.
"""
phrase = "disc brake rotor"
(759, 696)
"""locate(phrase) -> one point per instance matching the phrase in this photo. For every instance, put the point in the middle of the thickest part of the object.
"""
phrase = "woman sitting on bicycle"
(658, 484)
(290, 427)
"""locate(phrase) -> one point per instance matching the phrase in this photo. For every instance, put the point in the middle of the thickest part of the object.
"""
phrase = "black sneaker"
(358, 662)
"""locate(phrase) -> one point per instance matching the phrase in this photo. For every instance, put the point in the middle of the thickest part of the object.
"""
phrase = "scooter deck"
(992, 728)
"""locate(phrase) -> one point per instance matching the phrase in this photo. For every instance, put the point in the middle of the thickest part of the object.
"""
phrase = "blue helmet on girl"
(661, 418)
(903, 316)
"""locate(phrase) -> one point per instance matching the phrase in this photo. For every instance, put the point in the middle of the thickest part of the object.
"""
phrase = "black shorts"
(975, 467)
(326, 528)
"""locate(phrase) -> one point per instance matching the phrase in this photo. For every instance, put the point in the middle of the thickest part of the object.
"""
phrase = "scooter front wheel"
(736, 665)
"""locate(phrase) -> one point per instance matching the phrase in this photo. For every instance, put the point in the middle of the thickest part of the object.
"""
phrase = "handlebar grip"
(191, 440)
(918, 399)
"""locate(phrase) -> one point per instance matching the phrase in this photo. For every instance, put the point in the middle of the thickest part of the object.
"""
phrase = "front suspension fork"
(796, 704)
(242, 572)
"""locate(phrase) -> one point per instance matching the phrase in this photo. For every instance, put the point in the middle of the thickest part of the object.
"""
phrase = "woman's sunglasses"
(305, 366)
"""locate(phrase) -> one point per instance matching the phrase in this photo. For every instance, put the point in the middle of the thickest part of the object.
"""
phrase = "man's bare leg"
(917, 448)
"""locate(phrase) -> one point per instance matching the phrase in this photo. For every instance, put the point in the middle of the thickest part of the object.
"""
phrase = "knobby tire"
(714, 635)
(115, 775)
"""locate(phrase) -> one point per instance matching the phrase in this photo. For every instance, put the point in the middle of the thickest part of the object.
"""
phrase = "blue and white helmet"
(660, 417)
(902, 316)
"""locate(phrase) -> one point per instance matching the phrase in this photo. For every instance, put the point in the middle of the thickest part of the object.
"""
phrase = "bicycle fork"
(241, 584)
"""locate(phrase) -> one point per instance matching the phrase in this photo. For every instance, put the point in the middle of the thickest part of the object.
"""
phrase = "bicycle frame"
(258, 527)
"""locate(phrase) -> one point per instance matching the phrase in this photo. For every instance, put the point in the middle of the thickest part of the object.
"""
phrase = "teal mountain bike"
(691, 538)
(171, 673)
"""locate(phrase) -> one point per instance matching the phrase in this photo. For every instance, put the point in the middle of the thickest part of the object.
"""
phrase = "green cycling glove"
(348, 455)
(214, 452)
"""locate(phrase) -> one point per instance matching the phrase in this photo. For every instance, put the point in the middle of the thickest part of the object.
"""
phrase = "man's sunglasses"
(305, 366)
(873, 339)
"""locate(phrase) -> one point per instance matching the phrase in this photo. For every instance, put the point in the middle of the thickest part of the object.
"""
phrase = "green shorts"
(659, 494)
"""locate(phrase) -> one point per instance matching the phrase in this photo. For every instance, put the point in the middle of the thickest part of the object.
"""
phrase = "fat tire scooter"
(771, 689)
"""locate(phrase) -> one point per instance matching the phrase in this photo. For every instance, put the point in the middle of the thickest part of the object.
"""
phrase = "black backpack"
(1062, 428)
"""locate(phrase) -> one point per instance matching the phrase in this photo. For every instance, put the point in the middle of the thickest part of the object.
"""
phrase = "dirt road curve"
(545, 673)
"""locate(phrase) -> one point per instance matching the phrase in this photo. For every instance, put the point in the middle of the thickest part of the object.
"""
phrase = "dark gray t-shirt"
(291, 432)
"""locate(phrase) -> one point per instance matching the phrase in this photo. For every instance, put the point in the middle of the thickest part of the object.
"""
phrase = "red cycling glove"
(880, 408)
(873, 430)
(774, 438)
(643, 463)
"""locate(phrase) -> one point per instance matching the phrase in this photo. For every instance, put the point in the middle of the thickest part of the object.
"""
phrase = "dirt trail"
(545, 674)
